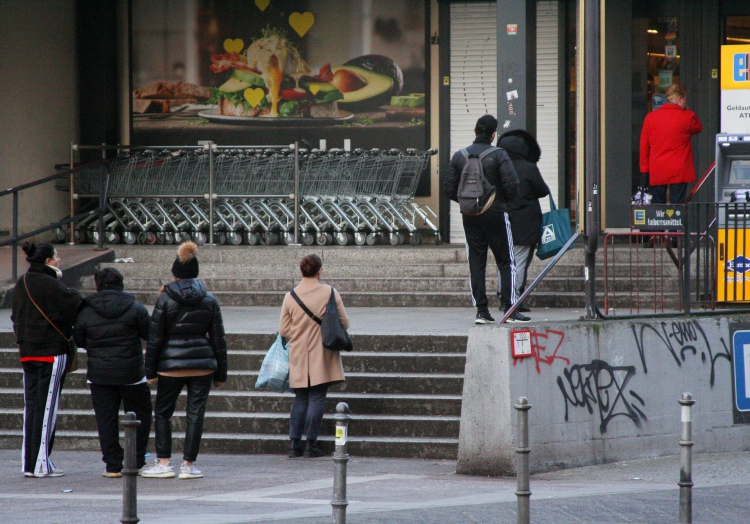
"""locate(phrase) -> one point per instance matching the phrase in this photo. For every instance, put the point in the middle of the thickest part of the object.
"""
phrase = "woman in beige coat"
(312, 368)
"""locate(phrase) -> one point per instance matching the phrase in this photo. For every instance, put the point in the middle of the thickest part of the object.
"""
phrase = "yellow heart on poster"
(670, 212)
(234, 46)
(301, 22)
(314, 89)
(254, 96)
(262, 4)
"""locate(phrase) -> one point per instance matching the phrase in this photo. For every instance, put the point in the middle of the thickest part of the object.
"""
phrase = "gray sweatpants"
(523, 255)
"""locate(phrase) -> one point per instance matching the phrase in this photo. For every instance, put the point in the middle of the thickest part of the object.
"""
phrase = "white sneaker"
(158, 471)
(190, 472)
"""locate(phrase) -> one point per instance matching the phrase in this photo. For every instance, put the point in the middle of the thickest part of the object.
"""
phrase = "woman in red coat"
(666, 150)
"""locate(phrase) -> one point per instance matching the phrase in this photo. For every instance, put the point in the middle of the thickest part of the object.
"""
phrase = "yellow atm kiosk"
(733, 177)
(733, 215)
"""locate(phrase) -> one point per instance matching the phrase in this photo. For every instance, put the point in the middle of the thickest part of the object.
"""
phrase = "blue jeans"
(307, 411)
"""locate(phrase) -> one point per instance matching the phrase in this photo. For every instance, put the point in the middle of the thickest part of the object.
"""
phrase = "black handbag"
(334, 335)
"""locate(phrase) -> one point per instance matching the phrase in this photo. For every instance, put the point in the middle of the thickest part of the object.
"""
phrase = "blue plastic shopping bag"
(274, 372)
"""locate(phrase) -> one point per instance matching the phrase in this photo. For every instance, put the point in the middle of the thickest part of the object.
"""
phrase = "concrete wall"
(39, 113)
(601, 392)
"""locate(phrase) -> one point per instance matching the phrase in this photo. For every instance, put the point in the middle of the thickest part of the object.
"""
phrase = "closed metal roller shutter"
(548, 94)
(473, 79)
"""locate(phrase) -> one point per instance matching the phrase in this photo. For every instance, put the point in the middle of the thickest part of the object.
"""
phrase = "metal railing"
(104, 179)
(701, 266)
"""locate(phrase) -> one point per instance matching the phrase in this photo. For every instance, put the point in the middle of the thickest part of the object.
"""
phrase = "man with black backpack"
(481, 178)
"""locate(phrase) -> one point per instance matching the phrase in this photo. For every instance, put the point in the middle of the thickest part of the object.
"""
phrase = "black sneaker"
(523, 309)
(518, 317)
(484, 317)
(295, 448)
(312, 450)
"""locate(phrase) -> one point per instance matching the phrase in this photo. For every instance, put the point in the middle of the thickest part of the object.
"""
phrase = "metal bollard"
(129, 471)
(686, 461)
(523, 495)
(340, 458)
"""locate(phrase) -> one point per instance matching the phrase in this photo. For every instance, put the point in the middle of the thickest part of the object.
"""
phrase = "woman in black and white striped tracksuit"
(43, 351)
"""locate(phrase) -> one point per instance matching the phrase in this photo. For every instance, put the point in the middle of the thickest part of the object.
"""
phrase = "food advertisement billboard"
(271, 72)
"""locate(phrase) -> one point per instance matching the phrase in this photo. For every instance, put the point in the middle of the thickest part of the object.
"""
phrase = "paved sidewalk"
(268, 488)
(369, 320)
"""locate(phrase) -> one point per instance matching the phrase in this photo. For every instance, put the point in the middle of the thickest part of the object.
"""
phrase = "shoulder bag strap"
(552, 205)
(487, 151)
(305, 308)
(40, 309)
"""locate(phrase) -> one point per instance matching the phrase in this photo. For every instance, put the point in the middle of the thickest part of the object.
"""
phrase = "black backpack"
(474, 191)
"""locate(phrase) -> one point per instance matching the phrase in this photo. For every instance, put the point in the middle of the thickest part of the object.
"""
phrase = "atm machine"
(733, 214)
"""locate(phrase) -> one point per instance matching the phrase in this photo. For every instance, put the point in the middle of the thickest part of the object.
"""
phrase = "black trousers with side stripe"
(42, 384)
(490, 229)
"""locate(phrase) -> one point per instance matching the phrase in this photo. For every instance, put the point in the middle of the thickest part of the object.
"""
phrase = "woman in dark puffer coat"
(110, 326)
(524, 211)
(186, 347)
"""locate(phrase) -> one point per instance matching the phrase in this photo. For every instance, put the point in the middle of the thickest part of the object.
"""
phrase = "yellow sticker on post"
(340, 435)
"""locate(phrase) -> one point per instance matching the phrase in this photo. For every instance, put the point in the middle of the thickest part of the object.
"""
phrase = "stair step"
(387, 447)
(267, 423)
(403, 383)
(269, 401)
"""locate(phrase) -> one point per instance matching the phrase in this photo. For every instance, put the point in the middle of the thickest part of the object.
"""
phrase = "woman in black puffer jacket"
(110, 326)
(524, 210)
(186, 347)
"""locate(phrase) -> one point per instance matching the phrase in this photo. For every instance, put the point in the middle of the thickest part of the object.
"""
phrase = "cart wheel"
(112, 237)
(360, 238)
(287, 238)
(401, 238)
(393, 239)
(371, 239)
(416, 238)
(220, 238)
(92, 237)
(60, 235)
(340, 238)
(271, 238)
(251, 238)
(199, 237)
(234, 238)
(79, 236)
(146, 238)
(329, 238)
(438, 238)
(321, 239)
(308, 238)
(129, 238)
(168, 238)
(184, 237)
(159, 238)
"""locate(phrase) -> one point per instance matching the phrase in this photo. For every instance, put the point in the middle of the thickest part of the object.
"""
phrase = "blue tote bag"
(274, 372)
(555, 231)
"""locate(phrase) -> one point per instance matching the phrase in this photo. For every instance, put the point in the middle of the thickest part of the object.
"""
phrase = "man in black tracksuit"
(111, 326)
(491, 228)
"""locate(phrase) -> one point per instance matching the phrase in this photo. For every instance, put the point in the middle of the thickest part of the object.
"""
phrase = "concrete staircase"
(404, 393)
(366, 277)
(383, 276)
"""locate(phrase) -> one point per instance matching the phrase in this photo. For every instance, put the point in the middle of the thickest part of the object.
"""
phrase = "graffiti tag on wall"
(541, 348)
(601, 387)
(681, 339)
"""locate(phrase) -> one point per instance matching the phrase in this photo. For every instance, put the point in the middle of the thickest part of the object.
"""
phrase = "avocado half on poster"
(272, 72)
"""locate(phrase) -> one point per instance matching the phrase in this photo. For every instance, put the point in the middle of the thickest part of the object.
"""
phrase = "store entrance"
(657, 54)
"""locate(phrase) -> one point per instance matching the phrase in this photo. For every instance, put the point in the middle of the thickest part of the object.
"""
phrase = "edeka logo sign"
(548, 234)
(739, 264)
(740, 69)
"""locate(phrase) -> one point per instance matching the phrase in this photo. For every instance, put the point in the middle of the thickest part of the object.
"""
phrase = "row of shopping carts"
(345, 197)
